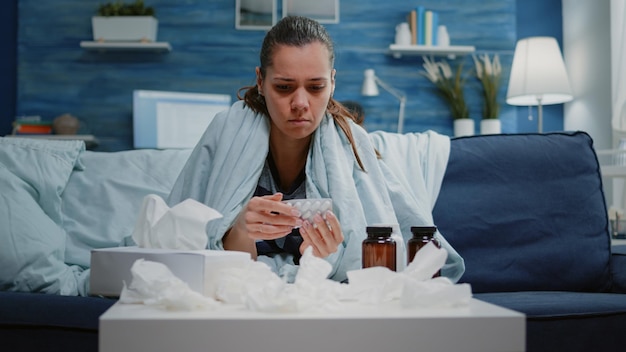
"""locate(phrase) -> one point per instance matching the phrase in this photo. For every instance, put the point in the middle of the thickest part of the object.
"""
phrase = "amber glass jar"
(421, 236)
(379, 249)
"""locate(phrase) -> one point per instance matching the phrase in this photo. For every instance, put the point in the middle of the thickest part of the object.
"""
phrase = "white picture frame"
(323, 11)
(255, 14)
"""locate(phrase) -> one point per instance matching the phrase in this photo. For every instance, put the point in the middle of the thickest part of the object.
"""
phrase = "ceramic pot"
(490, 126)
(65, 124)
(124, 28)
(463, 127)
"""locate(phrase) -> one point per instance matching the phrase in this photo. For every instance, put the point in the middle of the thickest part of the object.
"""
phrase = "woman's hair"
(298, 31)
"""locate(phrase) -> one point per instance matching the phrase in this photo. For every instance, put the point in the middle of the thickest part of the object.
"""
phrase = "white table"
(480, 327)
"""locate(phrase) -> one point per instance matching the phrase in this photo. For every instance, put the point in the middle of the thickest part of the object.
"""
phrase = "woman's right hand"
(262, 218)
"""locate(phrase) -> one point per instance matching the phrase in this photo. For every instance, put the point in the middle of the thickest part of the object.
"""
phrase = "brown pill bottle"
(421, 236)
(379, 249)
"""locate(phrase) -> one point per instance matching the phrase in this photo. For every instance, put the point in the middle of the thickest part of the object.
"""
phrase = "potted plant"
(127, 22)
(489, 72)
(450, 86)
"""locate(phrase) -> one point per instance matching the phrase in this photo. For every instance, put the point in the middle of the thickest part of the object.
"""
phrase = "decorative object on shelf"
(27, 125)
(450, 87)
(403, 34)
(65, 124)
(489, 73)
(125, 22)
(538, 75)
(370, 89)
(443, 38)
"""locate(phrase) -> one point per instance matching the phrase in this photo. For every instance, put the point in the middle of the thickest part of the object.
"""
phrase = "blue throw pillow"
(102, 201)
(526, 212)
(33, 175)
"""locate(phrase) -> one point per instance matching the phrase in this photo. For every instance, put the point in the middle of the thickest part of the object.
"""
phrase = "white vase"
(490, 126)
(463, 127)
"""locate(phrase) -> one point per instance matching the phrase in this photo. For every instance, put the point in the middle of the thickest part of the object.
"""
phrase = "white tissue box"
(110, 267)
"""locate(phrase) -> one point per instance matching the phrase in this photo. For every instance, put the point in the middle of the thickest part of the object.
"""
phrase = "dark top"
(269, 184)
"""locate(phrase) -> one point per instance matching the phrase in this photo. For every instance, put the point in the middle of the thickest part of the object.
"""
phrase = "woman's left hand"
(323, 235)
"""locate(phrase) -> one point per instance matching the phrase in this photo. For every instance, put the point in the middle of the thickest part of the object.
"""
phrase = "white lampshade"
(369, 88)
(538, 75)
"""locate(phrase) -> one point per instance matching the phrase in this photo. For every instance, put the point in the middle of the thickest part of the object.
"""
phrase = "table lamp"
(370, 89)
(538, 75)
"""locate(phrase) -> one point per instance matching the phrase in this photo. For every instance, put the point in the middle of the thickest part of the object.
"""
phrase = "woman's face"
(297, 88)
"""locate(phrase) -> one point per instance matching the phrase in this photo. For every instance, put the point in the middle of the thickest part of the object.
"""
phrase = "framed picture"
(323, 11)
(255, 14)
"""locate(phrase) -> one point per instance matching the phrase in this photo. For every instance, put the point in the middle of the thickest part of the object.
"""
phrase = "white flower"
(445, 69)
(449, 85)
(479, 67)
(497, 68)
(488, 73)
(431, 69)
(487, 64)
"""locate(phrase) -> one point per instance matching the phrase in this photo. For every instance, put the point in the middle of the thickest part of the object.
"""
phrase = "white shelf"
(613, 171)
(608, 167)
(126, 46)
(89, 139)
(399, 50)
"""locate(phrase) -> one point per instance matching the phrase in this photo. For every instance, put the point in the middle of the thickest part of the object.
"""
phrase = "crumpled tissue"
(261, 290)
(180, 227)
(253, 285)
(154, 284)
(414, 287)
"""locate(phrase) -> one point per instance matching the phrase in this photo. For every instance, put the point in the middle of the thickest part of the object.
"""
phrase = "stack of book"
(423, 24)
(31, 125)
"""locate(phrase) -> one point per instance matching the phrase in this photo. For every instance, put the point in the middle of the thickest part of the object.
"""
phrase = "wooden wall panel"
(209, 55)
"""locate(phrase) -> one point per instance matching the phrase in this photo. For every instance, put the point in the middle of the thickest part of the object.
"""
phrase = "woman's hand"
(263, 218)
(267, 218)
(323, 235)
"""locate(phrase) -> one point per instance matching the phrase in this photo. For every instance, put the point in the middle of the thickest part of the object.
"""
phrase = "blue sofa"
(526, 212)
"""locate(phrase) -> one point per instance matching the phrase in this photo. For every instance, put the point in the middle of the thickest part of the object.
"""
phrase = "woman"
(288, 138)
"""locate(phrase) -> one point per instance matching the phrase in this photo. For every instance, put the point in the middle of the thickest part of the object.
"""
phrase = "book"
(428, 28)
(434, 27)
(420, 10)
(413, 26)
(32, 127)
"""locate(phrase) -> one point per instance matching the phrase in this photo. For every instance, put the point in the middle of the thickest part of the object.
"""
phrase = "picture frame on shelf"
(255, 14)
(323, 11)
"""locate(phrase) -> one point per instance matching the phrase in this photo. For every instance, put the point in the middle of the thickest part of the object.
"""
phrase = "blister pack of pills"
(309, 207)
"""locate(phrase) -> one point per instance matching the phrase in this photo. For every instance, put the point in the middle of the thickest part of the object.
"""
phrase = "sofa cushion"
(33, 175)
(102, 201)
(568, 321)
(526, 212)
(42, 322)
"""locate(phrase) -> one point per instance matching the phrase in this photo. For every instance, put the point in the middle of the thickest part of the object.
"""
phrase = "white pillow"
(33, 175)
(101, 203)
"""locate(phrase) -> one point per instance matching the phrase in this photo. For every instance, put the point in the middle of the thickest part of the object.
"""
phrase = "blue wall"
(530, 24)
(56, 76)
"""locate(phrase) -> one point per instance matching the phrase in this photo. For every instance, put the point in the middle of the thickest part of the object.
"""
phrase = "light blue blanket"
(223, 170)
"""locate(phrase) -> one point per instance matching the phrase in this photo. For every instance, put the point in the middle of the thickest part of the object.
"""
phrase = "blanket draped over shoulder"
(224, 168)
